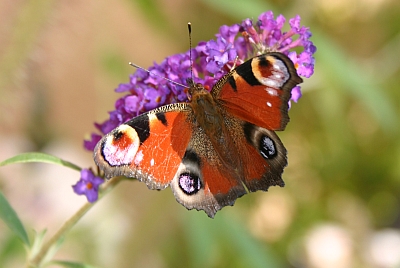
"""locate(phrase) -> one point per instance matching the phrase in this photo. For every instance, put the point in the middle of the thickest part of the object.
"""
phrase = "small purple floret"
(88, 185)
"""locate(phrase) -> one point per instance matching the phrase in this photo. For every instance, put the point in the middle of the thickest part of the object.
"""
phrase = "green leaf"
(8, 215)
(70, 264)
(38, 157)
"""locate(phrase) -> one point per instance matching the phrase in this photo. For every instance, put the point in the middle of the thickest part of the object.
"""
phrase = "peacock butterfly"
(214, 148)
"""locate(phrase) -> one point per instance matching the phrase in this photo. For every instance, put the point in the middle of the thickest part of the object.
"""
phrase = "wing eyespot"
(189, 183)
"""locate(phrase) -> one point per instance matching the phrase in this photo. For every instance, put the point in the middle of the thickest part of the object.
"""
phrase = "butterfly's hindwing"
(202, 181)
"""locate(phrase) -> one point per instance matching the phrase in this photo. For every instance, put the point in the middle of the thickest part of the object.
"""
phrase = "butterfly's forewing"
(149, 147)
(258, 91)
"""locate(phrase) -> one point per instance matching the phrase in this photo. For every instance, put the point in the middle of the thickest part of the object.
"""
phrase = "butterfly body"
(214, 148)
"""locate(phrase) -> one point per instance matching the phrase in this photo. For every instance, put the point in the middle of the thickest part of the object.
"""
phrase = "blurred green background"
(59, 64)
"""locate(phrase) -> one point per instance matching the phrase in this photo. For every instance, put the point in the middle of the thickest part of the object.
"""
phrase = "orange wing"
(258, 91)
(149, 147)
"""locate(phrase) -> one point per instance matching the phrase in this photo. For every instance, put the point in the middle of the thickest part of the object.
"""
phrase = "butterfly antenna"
(190, 51)
(150, 72)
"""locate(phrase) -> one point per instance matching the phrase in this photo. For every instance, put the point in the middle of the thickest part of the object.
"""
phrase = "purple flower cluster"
(211, 60)
(88, 185)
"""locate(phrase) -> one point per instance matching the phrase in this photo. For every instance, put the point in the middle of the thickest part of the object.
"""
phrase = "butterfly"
(214, 148)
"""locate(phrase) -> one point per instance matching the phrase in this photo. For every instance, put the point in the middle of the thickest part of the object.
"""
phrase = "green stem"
(38, 258)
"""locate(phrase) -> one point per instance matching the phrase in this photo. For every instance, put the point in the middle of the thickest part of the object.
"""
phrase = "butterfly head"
(195, 89)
